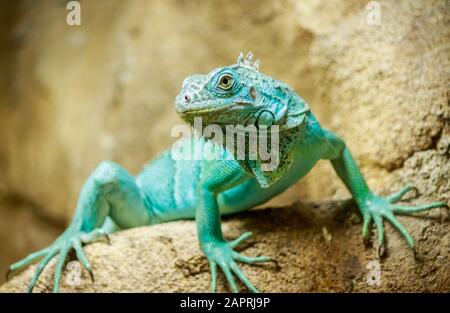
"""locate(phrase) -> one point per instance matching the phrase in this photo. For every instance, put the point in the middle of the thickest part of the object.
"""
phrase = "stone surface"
(310, 256)
(385, 89)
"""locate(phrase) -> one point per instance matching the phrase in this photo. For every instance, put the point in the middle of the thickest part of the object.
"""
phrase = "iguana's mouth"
(202, 109)
(189, 114)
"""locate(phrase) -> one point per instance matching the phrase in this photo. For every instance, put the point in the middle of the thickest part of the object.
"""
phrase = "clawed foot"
(222, 254)
(376, 208)
(70, 239)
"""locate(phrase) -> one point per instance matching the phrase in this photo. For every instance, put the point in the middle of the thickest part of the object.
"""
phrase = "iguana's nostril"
(187, 98)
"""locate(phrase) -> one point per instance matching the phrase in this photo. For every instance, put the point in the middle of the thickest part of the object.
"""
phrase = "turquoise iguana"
(170, 189)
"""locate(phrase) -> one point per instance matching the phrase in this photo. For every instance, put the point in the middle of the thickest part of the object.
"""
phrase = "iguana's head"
(238, 94)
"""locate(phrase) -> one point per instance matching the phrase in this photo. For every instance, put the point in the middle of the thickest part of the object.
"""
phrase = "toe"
(393, 220)
(240, 239)
(231, 281)
(246, 259)
(399, 209)
(213, 266)
(235, 268)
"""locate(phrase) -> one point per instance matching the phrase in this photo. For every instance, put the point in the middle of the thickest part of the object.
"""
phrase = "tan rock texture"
(73, 96)
(310, 256)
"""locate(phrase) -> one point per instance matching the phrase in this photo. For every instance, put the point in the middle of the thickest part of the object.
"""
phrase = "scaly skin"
(171, 189)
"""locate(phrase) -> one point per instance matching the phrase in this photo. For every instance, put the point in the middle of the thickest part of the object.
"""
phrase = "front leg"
(217, 177)
(110, 191)
(373, 208)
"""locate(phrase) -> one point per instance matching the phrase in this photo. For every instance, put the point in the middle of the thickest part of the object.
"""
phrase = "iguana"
(170, 189)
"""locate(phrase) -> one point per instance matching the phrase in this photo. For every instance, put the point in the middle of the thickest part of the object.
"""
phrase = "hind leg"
(109, 194)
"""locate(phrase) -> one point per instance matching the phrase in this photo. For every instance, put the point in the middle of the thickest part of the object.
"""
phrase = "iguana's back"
(171, 180)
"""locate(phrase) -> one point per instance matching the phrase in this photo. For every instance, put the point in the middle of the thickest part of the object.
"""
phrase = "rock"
(166, 257)
(385, 90)
(75, 96)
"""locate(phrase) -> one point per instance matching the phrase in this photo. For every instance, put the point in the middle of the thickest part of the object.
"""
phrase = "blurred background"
(377, 73)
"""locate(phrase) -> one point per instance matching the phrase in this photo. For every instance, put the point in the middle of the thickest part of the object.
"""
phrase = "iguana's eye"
(226, 81)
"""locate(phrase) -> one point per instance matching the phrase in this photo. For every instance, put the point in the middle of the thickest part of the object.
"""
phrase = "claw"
(416, 192)
(366, 241)
(8, 274)
(105, 236)
(91, 275)
(416, 256)
(381, 250)
(108, 239)
(445, 216)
